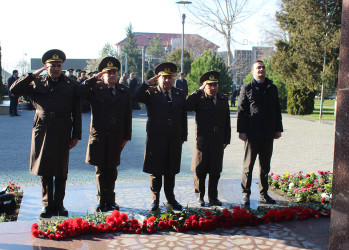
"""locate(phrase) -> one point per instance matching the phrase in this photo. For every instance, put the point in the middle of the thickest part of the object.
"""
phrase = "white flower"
(324, 195)
(291, 185)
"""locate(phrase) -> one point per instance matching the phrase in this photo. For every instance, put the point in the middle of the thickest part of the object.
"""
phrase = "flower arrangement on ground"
(305, 188)
(187, 220)
(11, 189)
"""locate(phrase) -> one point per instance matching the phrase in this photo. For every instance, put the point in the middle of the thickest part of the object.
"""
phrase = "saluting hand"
(37, 72)
(152, 81)
(203, 86)
(100, 74)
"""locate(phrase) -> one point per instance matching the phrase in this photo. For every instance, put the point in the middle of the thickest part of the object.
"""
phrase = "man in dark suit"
(213, 132)
(13, 98)
(111, 127)
(182, 84)
(166, 132)
(259, 123)
(133, 85)
(56, 130)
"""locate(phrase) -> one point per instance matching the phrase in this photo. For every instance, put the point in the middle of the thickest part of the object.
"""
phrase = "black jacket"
(259, 112)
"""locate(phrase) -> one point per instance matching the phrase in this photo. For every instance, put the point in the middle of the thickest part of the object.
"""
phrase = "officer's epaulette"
(178, 91)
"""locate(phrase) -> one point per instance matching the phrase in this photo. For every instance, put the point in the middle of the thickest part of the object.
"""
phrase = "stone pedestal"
(339, 231)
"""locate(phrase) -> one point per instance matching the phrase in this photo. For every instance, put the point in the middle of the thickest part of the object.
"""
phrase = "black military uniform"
(166, 131)
(213, 132)
(111, 126)
(57, 122)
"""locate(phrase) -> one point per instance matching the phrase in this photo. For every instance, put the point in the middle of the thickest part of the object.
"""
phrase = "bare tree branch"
(221, 16)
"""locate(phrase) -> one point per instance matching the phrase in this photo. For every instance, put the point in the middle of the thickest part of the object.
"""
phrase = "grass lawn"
(327, 110)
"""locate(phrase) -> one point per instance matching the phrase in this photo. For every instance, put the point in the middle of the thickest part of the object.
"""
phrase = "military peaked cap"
(53, 55)
(209, 77)
(166, 69)
(109, 63)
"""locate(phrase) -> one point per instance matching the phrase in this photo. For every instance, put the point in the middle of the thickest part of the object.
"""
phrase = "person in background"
(182, 84)
(13, 98)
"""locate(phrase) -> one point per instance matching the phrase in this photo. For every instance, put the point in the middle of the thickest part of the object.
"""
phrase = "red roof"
(142, 39)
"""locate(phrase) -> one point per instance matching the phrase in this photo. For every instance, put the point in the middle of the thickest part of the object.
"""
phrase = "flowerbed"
(187, 220)
(305, 188)
(15, 189)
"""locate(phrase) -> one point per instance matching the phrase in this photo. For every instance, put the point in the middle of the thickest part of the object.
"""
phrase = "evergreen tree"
(155, 48)
(149, 74)
(206, 62)
(176, 58)
(313, 27)
(131, 48)
(107, 50)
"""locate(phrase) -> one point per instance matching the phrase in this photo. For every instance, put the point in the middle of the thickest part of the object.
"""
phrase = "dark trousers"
(13, 104)
(53, 190)
(156, 183)
(199, 185)
(264, 149)
(106, 178)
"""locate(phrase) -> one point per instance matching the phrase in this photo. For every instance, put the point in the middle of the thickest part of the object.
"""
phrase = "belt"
(213, 129)
(168, 122)
(52, 114)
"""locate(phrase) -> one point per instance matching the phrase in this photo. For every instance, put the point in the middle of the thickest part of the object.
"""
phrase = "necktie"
(168, 99)
(111, 92)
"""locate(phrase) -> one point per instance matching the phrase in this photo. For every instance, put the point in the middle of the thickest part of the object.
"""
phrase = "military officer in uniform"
(213, 134)
(56, 130)
(166, 132)
(83, 77)
(111, 127)
(71, 74)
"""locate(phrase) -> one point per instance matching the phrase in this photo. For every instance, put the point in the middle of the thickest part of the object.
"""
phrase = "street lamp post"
(328, 17)
(183, 21)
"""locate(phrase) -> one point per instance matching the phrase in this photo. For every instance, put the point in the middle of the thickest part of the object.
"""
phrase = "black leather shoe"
(100, 207)
(111, 206)
(245, 200)
(200, 202)
(61, 211)
(215, 202)
(154, 206)
(266, 199)
(174, 204)
(46, 212)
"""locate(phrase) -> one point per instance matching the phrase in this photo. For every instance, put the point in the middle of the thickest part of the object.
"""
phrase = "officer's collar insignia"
(110, 64)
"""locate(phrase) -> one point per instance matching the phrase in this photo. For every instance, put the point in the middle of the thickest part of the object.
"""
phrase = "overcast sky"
(81, 28)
